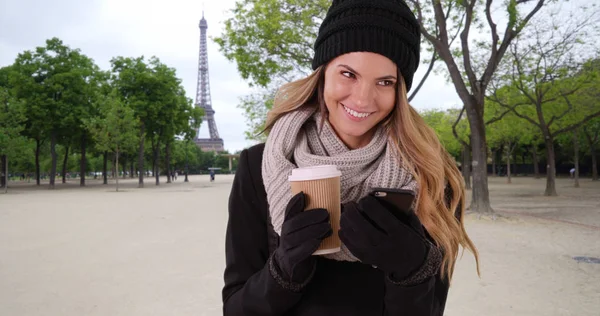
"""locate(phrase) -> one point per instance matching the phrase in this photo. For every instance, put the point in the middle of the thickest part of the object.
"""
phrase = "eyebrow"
(354, 71)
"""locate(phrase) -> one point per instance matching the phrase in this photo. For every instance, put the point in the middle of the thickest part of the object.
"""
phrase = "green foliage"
(510, 131)
(551, 79)
(512, 13)
(56, 83)
(56, 92)
(12, 119)
(271, 43)
(271, 39)
(255, 108)
(199, 161)
(441, 122)
(156, 96)
(115, 130)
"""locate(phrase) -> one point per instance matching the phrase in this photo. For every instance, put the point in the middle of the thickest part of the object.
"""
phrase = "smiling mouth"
(356, 114)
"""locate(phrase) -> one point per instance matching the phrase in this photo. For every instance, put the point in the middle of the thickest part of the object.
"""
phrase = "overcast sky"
(103, 29)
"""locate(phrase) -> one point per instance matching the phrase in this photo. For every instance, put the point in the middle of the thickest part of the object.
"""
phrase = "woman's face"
(359, 91)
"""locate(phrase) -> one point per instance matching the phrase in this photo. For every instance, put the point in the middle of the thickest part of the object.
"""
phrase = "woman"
(352, 112)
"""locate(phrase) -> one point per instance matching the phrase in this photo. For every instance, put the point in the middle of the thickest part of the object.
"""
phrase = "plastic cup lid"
(314, 173)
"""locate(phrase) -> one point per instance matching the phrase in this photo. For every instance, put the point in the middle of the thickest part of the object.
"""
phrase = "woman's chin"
(355, 129)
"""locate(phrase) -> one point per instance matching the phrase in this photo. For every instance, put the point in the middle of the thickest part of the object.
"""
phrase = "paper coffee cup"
(321, 186)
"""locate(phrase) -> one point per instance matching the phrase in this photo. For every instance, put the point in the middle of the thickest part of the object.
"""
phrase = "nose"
(363, 94)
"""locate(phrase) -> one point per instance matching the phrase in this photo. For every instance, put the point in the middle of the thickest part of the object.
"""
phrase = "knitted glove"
(301, 234)
(390, 239)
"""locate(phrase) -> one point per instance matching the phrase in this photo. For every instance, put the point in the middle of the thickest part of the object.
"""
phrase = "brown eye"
(386, 83)
(348, 74)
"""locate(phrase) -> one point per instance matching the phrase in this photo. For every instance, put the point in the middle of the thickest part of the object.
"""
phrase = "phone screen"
(399, 199)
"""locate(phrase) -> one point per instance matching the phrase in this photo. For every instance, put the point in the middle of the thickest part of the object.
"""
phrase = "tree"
(189, 135)
(545, 80)
(445, 126)
(507, 133)
(461, 132)
(255, 107)
(184, 118)
(26, 80)
(574, 146)
(576, 157)
(116, 130)
(52, 81)
(88, 108)
(441, 122)
(591, 131)
(12, 120)
(135, 82)
(472, 69)
(272, 43)
(158, 100)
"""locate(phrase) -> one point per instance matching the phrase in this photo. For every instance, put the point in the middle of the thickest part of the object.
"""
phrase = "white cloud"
(436, 92)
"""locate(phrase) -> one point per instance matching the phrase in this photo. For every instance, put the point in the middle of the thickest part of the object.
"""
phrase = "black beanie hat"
(385, 27)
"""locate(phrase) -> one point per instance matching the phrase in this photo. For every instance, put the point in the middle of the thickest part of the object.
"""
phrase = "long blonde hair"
(419, 149)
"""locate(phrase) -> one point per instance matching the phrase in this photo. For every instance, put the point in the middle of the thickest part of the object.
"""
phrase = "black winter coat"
(337, 288)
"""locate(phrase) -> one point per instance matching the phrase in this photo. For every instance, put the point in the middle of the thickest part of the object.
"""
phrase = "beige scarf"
(296, 135)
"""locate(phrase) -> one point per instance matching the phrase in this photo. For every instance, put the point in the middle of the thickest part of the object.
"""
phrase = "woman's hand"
(301, 235)
(376, 235)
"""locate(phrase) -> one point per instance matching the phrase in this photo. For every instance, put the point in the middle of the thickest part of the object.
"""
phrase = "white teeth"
(356, 114)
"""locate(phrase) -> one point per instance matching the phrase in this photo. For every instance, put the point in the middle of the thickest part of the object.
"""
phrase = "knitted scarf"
(296, 137)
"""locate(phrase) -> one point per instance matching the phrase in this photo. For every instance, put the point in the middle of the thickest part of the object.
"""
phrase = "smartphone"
(398, 198)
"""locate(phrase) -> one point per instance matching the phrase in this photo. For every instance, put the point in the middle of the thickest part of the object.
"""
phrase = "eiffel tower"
(214, 142)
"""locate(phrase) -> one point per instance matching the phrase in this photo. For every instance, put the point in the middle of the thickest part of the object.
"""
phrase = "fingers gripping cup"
(321, 186)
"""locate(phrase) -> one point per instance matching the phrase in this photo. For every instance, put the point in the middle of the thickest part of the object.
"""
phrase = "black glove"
(301, 234)
(390, 239)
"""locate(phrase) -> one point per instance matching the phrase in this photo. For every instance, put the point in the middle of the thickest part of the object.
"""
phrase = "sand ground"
(160, 250)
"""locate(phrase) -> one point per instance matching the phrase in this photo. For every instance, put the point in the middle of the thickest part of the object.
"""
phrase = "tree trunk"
(5, 165)
(186, 163)
(168, 161)
(594, 164)
(53, 154)
(508, 152)
(576, 158)
(141, 159)
(536, 166)
(83, 162)
(493, 162)
(466, 166)
(157, 163)
(64, 168)
(37, 161)
(551, 167)
(117, 166)
(124, 167)
(592, 144)
(113, 173)
(105, 168)
(480, 201)
(4, 173)
(499, 158)
(132, 167)
(153, 163)
(523, 155)
(153, 159)
(514, 159)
